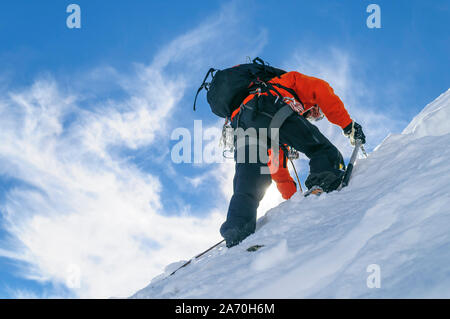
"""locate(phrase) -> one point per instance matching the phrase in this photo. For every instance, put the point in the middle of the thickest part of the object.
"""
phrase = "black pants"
(249, 185)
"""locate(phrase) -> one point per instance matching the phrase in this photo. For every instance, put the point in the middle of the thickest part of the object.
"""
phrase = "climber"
(311, 98)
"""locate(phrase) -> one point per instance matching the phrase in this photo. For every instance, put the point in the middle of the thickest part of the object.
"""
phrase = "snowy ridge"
(433, 120)
(395, 213)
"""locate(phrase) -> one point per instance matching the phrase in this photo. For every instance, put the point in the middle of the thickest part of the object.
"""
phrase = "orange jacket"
(312, 91)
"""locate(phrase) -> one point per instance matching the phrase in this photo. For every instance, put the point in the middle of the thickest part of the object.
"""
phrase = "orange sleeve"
(321, 93)
(280, 175)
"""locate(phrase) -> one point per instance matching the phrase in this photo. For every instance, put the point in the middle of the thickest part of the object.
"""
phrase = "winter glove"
(287, 188)
(354, 132)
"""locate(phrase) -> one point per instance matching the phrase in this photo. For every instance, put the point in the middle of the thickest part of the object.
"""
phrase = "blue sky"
(87, 186)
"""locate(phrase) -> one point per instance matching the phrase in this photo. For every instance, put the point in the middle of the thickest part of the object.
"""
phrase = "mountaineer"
(256, 95)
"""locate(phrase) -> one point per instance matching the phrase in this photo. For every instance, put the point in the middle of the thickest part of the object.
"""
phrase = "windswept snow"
(394, 214)
(434, 120)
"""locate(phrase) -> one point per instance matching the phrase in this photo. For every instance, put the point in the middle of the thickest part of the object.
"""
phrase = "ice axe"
(348, 171)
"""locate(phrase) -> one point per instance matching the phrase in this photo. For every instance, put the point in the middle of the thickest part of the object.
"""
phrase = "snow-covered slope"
(395, 214)
(434, 120)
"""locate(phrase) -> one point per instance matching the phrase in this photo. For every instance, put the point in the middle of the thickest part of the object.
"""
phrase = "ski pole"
(199, 255)
(348, 171)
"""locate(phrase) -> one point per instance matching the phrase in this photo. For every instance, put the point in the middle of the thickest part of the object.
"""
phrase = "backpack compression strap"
(205, 85)
(258, 59)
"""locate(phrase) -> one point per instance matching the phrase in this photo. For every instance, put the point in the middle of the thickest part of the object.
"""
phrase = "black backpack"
(229, 87)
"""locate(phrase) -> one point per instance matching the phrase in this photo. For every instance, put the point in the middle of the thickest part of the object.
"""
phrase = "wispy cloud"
(88, 208)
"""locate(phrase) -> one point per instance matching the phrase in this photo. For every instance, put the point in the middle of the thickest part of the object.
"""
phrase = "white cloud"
(85, 207)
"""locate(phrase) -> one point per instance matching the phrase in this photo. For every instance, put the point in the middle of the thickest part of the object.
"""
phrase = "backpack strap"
(258, 60)
(293, 93)
(264, 87)
(205, 85)
(267, 86)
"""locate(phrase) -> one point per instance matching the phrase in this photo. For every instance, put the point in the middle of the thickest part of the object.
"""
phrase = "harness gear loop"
(292, 154)
(227, 139)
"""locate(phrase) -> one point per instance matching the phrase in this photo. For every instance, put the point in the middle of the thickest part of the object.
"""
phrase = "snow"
(430, 121)
(395, 214)
(269, 258)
